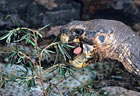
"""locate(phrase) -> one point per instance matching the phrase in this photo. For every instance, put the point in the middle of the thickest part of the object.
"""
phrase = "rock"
(62, 16)
(127, 6)
(127, 11)
(15, 7)
(119, 91)
(54, 31)
(136, 27)
(59, 84)
(130, 9)
(34, 13)
(50, 4)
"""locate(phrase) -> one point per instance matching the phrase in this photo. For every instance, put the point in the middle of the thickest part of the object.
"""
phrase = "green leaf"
(60, 48)
(9, 37)
(13, 19)
(62, 71)
(4, 83)
(32, 83)
(55, 39)
(49, 51)
(66, 53)
(70, 72)
(31, 65)
(12, 62)
(31, 42)
(12, 78)
(63, 51)
(43, 27)
(12, 54)
(4, 37)
(40, 35)
(20, 59)
(22, 38)
(27, 38)
(67, 45)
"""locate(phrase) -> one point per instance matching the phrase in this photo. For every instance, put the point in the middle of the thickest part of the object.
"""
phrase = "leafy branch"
(17, 56)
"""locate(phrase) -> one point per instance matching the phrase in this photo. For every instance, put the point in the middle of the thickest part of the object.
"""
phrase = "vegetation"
(35, 71)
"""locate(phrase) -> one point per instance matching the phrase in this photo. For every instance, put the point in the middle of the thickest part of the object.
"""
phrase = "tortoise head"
(72, 32)
(86, 32)
(89, 36)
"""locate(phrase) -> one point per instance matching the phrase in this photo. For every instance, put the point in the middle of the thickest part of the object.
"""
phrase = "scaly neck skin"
(133, 62)
(123, 55)
(130, 66)
(108, 52)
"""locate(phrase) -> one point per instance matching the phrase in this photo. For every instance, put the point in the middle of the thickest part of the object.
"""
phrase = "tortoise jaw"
(78, 60)
(81, 60)
(64, 38)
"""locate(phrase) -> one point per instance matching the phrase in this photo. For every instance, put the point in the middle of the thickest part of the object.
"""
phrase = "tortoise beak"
(64, 38)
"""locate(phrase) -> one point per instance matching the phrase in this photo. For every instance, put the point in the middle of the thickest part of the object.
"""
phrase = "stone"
(119, 91)
(35, 14)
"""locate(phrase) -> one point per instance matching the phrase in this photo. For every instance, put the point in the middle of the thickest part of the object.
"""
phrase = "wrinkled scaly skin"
(108, 38)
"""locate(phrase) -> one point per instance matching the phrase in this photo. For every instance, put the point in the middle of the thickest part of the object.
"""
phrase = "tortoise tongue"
(77, 50)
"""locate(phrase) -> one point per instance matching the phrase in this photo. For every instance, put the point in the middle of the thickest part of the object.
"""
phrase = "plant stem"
(39, 61)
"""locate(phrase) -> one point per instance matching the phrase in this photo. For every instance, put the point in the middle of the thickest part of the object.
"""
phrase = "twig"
(50, 68)
(39, 61)
(52, 44)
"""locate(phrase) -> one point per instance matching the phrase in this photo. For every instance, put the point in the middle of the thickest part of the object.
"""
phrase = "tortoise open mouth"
(81, 53)
(81, 48)
(76, 50)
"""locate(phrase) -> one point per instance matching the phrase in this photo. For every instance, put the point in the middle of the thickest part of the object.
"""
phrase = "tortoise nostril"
(62, 30)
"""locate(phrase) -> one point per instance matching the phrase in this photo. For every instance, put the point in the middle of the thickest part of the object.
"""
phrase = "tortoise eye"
(101, 38)
(77, 32)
